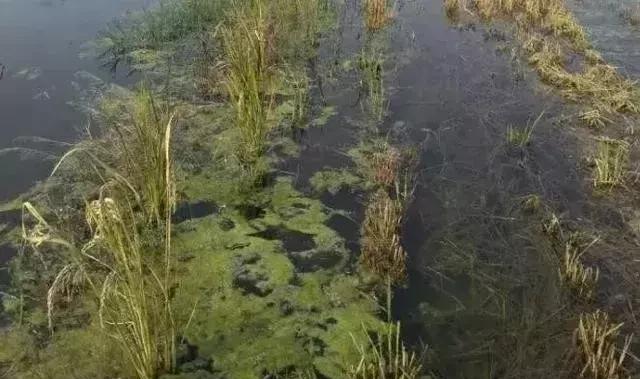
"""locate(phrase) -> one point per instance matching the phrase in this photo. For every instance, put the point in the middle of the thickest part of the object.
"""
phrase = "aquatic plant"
(135, 306)
(248, 77)
(522, 137)
(132, 296)
(631, 15)
(595, 342)
(123, 275)
(297, 26)
(170, 21)
(582, 280)
(298, 82)
(531, 203)
(382, 252)
(377, 14)
(451, 8)
(384, 357)
(371, 65)
(386, 164)
(610, 160)
(134, 152)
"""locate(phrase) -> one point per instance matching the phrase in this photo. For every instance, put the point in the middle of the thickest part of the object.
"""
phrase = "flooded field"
(321, 189)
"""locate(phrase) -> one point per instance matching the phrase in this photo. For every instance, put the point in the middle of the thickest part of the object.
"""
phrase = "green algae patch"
(334, 180)
(250, 309)
(77, 353)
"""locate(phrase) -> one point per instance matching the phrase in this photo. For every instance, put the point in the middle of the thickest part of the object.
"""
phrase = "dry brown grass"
(595, 342)
(377, 14)
(386, 165)
(382, 253)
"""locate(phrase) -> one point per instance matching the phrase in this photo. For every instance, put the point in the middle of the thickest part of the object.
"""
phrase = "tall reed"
(371, 64)
(133, 151)
(128, 278)
(248, 76)
(134, 301)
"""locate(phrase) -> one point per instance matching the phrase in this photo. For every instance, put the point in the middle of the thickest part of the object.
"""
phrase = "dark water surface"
(613, 26)
(40, 46)
(477, 273)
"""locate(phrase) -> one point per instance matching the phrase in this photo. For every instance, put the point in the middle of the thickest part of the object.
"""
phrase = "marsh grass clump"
(610, 161)
(382, 252)
(134, 304)
(519, 137)
(569, 249)
(298, 82)
(245, 41)
(384, 356)
(582, 280)
(158, 28)
(129, 284)
(134, 151)
(386, 164)
(522, 137)
(298, 25)
(451, 8)
(127, 275)
(595, 342)
(371, 64)
(377, 14)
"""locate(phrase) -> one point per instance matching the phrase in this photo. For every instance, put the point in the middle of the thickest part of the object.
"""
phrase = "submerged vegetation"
(371, 63)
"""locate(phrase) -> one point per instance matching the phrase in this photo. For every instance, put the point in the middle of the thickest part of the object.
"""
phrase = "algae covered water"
(321, 189)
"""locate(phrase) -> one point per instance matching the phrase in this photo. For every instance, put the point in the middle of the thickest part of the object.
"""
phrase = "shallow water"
(609, 29)
(40, 46)
(453, 91)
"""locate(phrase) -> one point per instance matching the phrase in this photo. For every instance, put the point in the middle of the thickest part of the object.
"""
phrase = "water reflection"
(40, 42)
